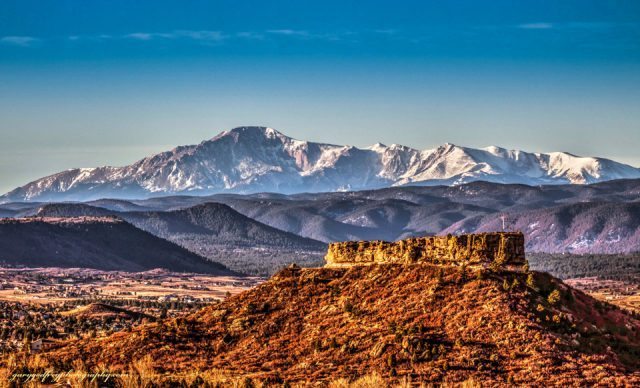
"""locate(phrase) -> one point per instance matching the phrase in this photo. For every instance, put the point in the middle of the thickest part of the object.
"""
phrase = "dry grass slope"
(423, 323)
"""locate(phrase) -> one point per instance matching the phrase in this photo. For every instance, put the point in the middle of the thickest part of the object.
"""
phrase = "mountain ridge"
(401, 212)
(261, 159)
(100, 242)
(212, 230)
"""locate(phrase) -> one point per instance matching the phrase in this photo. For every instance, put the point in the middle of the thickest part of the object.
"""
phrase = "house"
(19, 291)
(43, 344)
(168, 298)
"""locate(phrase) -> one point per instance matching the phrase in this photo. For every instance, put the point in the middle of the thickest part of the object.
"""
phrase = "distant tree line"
(566, 266)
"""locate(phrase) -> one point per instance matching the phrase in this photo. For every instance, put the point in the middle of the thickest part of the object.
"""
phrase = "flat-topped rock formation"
(506, 248)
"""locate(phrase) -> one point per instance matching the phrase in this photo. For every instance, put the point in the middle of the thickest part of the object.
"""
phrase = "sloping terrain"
(7, 213)
(104, 311)
(222, 224)
(602, 218)
(577, 228)
(106, 243)
(357, 218)
(220, 233)
(70, 210)
(580, 214)
(117, 205)
(430, 323)
(259, 159)
(215, 231)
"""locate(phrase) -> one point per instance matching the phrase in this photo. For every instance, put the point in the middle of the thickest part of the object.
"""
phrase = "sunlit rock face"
(483, 248)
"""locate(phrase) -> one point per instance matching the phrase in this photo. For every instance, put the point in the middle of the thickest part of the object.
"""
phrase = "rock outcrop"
(504, 248)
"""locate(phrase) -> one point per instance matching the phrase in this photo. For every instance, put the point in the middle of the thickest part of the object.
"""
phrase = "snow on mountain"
(255, 159)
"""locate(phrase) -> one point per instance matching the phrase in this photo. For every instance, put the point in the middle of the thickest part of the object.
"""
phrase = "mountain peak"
(494, 149)
(377, 147)
(254, 129)
(251, 130)
(447, 147)
(257, 130)
(251, 159)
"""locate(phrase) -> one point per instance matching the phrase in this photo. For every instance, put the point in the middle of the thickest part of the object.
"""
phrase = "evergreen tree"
(554, 297)
(531, 282)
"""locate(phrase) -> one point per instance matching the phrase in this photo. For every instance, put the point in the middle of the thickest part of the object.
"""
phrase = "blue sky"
(86, 83)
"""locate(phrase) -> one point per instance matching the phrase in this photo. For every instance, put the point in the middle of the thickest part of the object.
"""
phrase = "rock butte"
(504, 248)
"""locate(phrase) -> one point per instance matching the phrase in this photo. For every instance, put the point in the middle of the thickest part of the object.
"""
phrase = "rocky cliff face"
(505, 248)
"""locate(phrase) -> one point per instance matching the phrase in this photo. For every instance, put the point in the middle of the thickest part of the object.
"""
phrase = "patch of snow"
(263, 159)
(581, 242)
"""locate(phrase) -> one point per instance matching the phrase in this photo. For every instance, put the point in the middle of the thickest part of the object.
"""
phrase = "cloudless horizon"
(84, 84)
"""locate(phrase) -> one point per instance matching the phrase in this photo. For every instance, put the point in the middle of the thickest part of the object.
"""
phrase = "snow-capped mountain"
(256, 159)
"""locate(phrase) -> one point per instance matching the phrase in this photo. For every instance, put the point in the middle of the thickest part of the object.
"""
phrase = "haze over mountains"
(260, 159)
